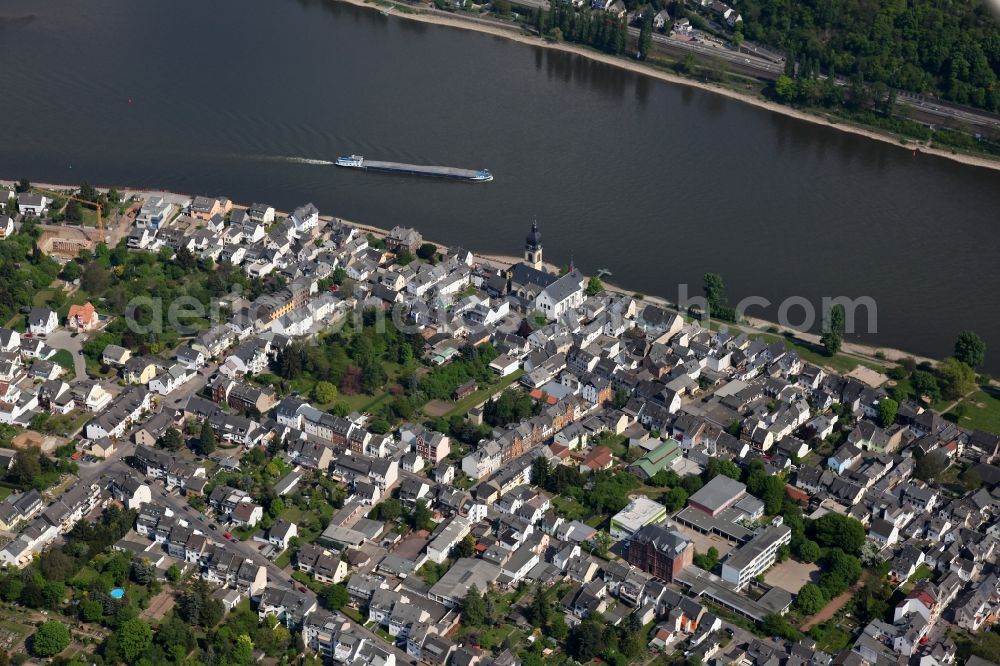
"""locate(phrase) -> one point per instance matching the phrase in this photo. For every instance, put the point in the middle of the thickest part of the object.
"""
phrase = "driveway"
(63, 339)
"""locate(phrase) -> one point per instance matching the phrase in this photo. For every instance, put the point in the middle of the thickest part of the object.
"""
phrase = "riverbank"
(851, 354)
(516, 34)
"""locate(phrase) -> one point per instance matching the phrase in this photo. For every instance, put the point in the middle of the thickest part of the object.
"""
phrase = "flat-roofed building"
(466, 572)
(756, 556)
(718, 495)
(640, 512)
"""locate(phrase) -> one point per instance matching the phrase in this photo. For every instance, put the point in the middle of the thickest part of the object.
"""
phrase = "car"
(187, 508)
(302, 589)
(227, 535)
(163, 492)
(213, 526)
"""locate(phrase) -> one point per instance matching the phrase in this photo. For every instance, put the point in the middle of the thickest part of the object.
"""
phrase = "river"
(657, 183)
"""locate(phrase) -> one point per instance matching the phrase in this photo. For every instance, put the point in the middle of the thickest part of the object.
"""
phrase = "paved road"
(179, 397)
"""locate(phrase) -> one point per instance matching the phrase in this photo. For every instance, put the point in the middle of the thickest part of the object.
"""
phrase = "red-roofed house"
(537, 394)
(82, 317)
(921, 600)
(560, 451)
(598, 458)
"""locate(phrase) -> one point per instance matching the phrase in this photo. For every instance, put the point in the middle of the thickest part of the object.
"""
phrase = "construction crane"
(97, 207)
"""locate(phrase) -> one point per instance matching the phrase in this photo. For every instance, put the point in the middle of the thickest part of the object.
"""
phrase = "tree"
(970, 349)
(473, 607)
(172, 439)
(71, 271)
(834, 530)
(420, 517)
(91, 610)
(707, 561)
(840, 571)
(324, 392)
(173, 573)
(717, 466)
(557, 628)
(956, 378)
(87, 192)
(925, 385)
(585, 639)
(811, 599)
(243, 650)
(603, 541)
(466, 547)
(689, 66)
(51, 638)
(887, 409)
(785, 89)
(675, 499)
(645, 38)
(334, 597)
(692, 483)
(388, 510)
(833, 331)
(930, 465)
(594, 286)
(427, 251)
(871, 555)
(134, 637)
(95, 278)
(206, 441)
(715, 296)
(27, 467)
(777, 625)
(809, 551)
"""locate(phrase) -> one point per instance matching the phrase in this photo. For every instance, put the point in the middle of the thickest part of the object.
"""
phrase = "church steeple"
(533, 247)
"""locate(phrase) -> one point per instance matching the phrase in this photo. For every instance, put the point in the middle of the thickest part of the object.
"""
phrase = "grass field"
(810, 353)
(981, 411)
(568, 508)
(470, 401)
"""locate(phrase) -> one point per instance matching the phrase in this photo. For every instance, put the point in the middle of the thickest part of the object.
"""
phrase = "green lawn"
(981, 411)
(489, 637)
(840, 363)
(64, 358)
(923, 572)
(830, 637)
(470, 401)
(5, 492)
(568, 508)
(42, 297)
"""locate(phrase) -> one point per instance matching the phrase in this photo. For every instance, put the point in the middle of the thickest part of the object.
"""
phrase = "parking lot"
(791, 575)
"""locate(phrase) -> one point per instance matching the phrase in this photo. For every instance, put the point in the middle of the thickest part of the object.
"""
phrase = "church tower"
(533, 248)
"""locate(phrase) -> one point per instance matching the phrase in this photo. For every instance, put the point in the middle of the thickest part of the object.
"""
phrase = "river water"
(657, 183)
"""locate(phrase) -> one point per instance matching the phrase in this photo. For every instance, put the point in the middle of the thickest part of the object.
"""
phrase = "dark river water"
(655, 182)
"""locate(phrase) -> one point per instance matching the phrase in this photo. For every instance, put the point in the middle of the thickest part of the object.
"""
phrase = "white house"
(305, 218)
(281, 533)
(29, 203)
(561, 296)
(42, 321)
